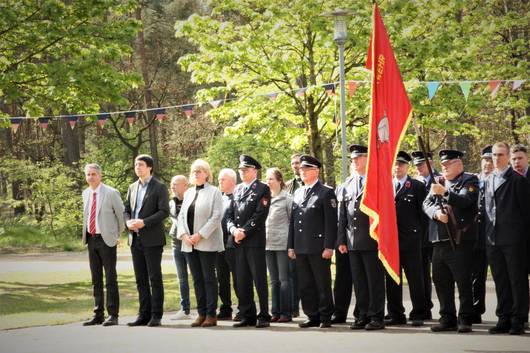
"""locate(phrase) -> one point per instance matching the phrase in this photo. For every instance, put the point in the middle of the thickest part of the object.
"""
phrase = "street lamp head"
(340, 17)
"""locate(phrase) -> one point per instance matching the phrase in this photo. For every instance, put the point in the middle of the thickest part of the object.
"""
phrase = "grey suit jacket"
(207, 219)
(109, 216)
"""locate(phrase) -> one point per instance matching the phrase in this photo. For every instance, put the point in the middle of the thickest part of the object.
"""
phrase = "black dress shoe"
(476, 319)
(338, 319)
(154, 322)
(244, 323)
(500, 328)
(224, 317)
(111, 321)
(359, 324)
(374, 325)
(262, 323)
(443, 327)
(140, 321)
(309, 323)
(325, 324)
(427, 316)
(237, 317)
(395, 321)
(463, 328)
(96, 320)
(517, 330)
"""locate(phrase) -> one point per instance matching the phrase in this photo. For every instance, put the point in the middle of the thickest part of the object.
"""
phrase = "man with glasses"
(312, 237)
(245, 221)
(451, 206)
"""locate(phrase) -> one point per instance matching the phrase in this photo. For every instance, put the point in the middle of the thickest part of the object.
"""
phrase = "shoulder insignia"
(333, 203)
(471, 188)
(264, 201)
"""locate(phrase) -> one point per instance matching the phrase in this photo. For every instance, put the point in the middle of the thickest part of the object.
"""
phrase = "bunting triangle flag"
(160, 114)
(432, 87)
(494, 86)
(352, 87)
(517, 84)
(215, 103)
(43, 123)
(330, 89)
(72, 120)
(301, 92)
(188, 110)
(131, 117)
(465, 86)
(102, 119)
(273, 96)
(15, 123)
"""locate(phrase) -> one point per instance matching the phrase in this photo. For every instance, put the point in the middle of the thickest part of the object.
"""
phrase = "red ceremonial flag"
(390, 115)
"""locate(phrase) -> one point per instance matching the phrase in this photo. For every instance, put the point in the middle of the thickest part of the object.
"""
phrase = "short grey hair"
(229, 172)
(94, 166)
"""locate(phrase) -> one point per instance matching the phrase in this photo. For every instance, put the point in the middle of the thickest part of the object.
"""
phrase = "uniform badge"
(471, 188)
(333, 203)
(407, 184)
(264, 201)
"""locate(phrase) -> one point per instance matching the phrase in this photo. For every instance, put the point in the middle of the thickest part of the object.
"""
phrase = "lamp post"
(340, 16)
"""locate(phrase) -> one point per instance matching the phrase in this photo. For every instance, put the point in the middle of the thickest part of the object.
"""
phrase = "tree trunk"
(71, 153)
(148, 101)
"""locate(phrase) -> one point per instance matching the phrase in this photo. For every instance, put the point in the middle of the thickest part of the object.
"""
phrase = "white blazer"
(110, 214)
(207, 219)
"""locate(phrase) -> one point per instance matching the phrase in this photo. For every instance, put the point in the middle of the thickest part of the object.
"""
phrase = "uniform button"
(354, 218)
(354, 227)
(300, 213)
(299, 221)
(237, 217)
(462, 220)
(320, 235)
(300, 230)
(355, 209)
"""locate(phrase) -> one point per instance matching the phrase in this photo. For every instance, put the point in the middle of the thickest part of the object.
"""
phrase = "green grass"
(29, 299)
(23, 238)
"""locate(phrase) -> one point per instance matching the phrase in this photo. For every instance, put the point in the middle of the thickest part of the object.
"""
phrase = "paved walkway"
(178, 336)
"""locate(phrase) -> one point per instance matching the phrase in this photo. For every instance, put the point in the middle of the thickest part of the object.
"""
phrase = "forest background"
(92, 56)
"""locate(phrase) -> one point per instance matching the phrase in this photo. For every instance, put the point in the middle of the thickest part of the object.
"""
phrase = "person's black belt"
(93, 235)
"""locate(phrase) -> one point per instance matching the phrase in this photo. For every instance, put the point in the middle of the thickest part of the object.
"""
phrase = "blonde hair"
(202, 165)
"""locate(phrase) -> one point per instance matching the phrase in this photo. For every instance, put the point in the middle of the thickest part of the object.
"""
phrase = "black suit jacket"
(409, 213)
(155, 208)
(249, 210)
(313, 224)
(507, 210)
(354, 225)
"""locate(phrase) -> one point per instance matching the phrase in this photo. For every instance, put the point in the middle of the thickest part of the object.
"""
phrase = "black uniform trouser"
(479, 271)
(410, 262)
(426, 259)
(314, 285)
(103, 257)
(450, 266)
(147, 262)
(342, 288)
(225, 266)
(252, 270)
(511, 282)
(368, 277)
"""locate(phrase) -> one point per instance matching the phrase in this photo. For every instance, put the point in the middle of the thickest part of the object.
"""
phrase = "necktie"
(397, 187)
(360, 184)
(92, 223)
(306, 192)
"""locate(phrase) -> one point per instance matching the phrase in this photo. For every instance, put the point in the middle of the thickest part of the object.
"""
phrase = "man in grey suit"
(102, 225)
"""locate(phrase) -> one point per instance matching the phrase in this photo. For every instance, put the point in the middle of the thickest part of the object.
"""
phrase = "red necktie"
(92, 223)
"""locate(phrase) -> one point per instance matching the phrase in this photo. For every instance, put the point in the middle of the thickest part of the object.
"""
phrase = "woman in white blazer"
(199, 228)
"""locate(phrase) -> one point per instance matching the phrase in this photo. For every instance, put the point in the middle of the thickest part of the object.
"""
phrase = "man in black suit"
(246, 223)
(312, 237)
(507, 206)
(452, 207)
(479, 268)
(409, 196)
(368, 274)
(146, 207)
(291, 186)
(419, 160)
(519, 161)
